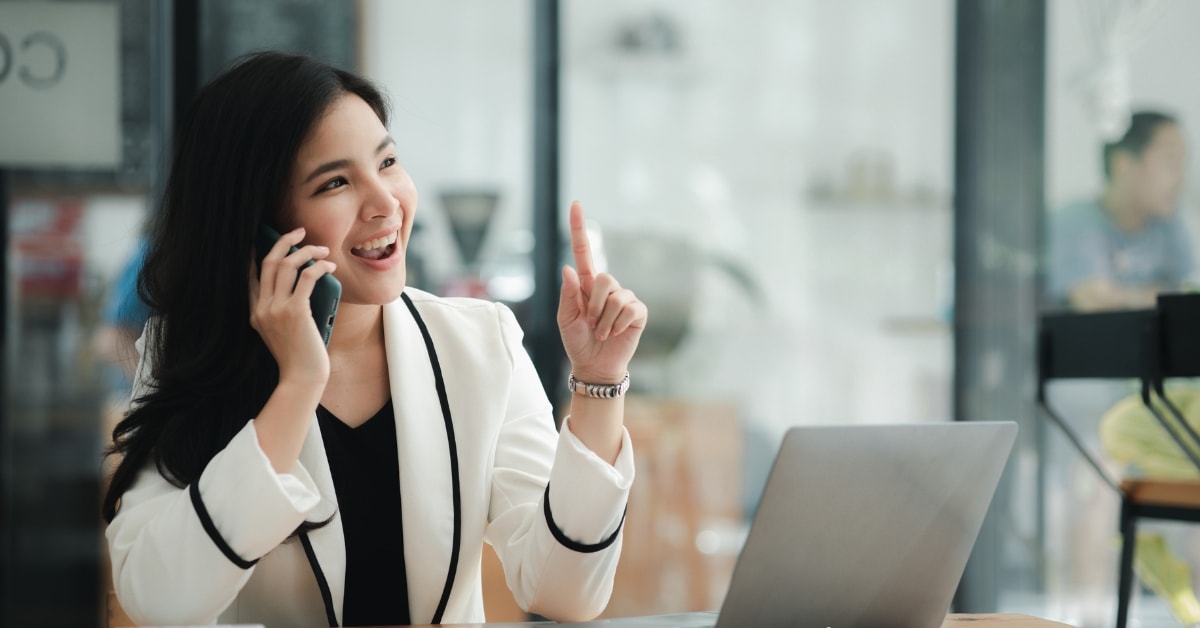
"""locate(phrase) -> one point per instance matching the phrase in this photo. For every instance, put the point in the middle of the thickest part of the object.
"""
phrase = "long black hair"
(232, 164)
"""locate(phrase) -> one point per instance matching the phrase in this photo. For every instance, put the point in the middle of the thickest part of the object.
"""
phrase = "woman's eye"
(388, 163)
(333, 184)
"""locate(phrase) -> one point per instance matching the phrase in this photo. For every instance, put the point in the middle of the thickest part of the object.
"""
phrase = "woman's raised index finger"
(579, 243)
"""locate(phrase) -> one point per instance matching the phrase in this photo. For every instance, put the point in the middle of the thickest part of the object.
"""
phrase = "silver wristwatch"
(599, 391)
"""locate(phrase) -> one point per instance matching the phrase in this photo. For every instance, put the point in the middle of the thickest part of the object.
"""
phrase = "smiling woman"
(392, 455)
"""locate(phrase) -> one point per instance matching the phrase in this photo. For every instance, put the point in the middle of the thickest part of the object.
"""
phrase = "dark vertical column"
(545, 344)
(6, 535)
(998, 209)
(161, 97)
(185, 56)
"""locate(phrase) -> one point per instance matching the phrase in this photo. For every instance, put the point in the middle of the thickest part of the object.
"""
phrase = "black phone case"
(326, 293)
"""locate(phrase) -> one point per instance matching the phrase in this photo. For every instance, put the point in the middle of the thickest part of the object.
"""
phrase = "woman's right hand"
(282, 314)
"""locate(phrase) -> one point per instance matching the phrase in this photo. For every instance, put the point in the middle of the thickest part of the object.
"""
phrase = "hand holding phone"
(326, 293)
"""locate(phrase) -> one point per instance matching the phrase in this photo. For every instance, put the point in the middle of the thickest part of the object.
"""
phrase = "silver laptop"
(861, 526)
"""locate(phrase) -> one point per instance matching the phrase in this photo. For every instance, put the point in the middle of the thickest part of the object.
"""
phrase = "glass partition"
(1122, 127)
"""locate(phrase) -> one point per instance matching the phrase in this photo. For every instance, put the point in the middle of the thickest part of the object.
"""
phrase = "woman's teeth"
(378, 248)
(377, 242)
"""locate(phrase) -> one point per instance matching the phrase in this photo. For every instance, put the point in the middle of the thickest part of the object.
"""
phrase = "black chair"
(1147, 345)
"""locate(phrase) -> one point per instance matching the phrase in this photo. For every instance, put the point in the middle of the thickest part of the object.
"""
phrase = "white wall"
(774, 95)
(723, 146)
(722, 143)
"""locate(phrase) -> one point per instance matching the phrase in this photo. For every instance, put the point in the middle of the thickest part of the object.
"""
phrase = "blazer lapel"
(425, 483)
(328, 542)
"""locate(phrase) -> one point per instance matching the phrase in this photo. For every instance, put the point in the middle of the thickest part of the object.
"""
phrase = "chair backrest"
(1100, 345)
(1180, 349)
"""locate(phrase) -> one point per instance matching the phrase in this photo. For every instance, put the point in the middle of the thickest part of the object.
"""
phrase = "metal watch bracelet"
(598, 391)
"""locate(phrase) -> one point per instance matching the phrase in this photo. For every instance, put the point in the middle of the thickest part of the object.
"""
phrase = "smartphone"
(326, 293)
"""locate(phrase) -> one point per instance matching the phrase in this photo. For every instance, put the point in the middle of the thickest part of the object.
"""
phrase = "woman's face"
(350, 194)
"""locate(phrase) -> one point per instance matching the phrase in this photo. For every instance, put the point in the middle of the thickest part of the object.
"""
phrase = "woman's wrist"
(595, 376)
(302, 386)
(598, 424)
(305, 373)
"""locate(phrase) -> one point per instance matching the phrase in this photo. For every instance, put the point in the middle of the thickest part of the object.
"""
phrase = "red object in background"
(49, 255)
(465, 286)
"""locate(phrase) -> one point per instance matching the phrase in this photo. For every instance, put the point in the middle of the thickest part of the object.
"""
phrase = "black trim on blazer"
(322, 583)
(456, 548)
(573, 545)
(207, 523)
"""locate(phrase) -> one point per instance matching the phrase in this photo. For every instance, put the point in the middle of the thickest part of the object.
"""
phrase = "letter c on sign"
(6, 64)
(60, 60)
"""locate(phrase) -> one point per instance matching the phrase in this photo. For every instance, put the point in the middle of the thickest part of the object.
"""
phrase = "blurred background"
(834, 210)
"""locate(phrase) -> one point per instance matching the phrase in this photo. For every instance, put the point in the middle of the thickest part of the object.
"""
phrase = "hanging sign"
(59, 85)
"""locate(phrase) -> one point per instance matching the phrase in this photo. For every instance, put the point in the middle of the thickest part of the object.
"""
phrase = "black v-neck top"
(365, 466)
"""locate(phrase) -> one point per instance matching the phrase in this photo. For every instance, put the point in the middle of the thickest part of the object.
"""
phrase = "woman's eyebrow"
(326, 167)
(343, 163)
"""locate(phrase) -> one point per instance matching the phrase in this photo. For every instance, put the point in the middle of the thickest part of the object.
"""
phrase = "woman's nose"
(379, 201)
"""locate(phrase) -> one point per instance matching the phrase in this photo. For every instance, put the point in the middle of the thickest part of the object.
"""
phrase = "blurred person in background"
(122, 320)
(1119, 252)
(266, 478)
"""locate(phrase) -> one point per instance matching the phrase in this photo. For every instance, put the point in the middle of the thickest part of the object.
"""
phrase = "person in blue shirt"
(124, 316)
(1120, 250)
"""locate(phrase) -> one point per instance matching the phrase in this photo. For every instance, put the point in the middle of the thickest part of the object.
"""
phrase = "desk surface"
(687, 620)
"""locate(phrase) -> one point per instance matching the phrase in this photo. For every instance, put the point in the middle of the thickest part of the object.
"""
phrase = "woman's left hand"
(600, 322)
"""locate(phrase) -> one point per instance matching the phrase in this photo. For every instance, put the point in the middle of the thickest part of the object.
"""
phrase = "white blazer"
(186, 556)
